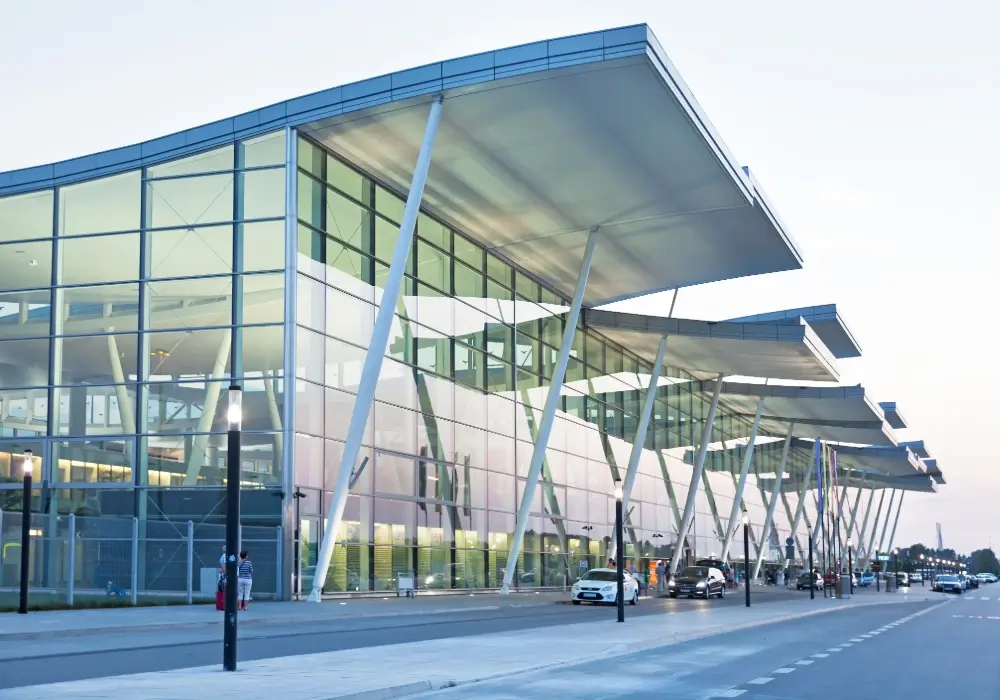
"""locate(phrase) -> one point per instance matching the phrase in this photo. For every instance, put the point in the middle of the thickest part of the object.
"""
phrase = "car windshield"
(695, 571)
(600, 576)
(948, 579)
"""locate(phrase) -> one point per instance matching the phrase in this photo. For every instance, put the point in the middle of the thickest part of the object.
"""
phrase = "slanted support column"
(376, 348)
(888, 515)
(734, 512)
(895, 522)
(699, 467)
(800, 508)
(862, 549)
(640, 431)
(854, 512)
(199, 444)
(549, 412)
(121, 391)
(871, 540)
(775, 494)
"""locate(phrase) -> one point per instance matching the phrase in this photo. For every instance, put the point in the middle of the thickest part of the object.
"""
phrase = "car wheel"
(722, 593)
(635, 599)
(576, 602)
(673, 595)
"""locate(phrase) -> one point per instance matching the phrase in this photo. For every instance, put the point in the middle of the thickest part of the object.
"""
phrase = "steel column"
(888, 515)
(552, 399)
(854, 511)
(775, 493)
(376, 348)
(696, 477)
(734, 512)
(899, 509)
(871, 541)
(640, 431)
(862, 550)
(800, 508)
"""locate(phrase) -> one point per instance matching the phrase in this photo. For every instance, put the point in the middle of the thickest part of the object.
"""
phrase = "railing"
(88, 561)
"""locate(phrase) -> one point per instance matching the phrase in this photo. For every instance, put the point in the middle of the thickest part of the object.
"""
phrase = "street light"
(26, 467)
(895, 567)
(234, 414)
(812, 575)
(850, 565)
(923, 571)
(620, 554)
(746, 554)
(297, 555)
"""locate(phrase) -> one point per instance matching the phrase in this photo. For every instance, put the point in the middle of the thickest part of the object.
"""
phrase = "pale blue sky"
(872, 127)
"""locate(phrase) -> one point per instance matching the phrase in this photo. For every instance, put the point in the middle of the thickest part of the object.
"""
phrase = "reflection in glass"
(107, 205)
(189, 201)
(25, 314)
(190, 252)
(95, 410)
(268, 149)
(206, 162)
(190, 303)
(263, 245)
(191, 353)
(263, 194)
(263, 350)
(24, 362)
(25, 411)
(26, 216)
(26, 265)
(264, 298)
(179, 407)
(93, 461)
(96, 359)
(120, 255)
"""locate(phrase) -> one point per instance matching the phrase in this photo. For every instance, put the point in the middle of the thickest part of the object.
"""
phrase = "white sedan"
(601, 586)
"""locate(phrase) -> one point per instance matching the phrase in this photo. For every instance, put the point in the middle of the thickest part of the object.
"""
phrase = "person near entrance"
(244, 576)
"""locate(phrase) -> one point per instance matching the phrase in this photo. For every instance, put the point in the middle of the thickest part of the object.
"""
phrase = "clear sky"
(874, 127)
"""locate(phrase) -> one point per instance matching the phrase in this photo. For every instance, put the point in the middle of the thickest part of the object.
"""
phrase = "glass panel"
(386, 234)
(25, 314)
(189, 354)
(263, 298)
(348, 317)
(343, 365)
(95, 410)
(77, 258)
(25, 265)
(24, 362)
(12, 469)
(112, 307)
(310, 355)
(190, 252)
(468, 252)
(348, 269)
(431, 230)
(93, 461)
(263, 350)
(347, 221)
(499, 270)
(263, 245)
(311, 158)
(394, 475)
(347, 180)
(101, 206)
(469, 366)
(434, 267)
(97, 359)
(268, 149)
(309, 302)
(207, 162)
(190, 303)
(310, 201)
(179, 407)
(263, 194)
(468, 283)
(190, 201)
(388, 204)
(526, 287)
(26, 216)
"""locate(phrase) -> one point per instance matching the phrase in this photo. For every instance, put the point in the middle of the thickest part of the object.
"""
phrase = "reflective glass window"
(24, 362)
(25, 314)
(468, 252)
(348, 221)
(263, 298)
(348, 317)
(310, 300)
(386, 234)
(93, 461)
(499, 270)
(433, 232)
(189, 201)
(348, 269)
(97, 259)
(26, 216)
(470, 366)
(309, 407)
(263, 245)
(343, 365)
(468, 282)
(388, 204)
(311, 158)
(268, 149)
(206, 301)
(96, 309)
(263, 193)
(190, 353)
(310, 355)
(394, 475)
(190, 252)
(263, 350)
(26, 411)
(97, 359)
(205, 162)
(526, 287)
(434, 267)
(95, 410)
(310, 201)
(101, 206)
(347, 180)
(25, 265)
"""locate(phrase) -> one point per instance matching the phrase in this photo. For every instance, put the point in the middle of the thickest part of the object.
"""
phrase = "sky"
(873, 128)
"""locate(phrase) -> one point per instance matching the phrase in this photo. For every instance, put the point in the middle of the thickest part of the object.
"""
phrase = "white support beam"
(372, 366)
(699, 466)
(199, 443)
(775, 493)
(800, 510)
(734, 512)
(895, 522)
(552, 399)
(869, 550)
(862, 546)
(854, 514)
(125, 407)
(888, 517)
(640, 430)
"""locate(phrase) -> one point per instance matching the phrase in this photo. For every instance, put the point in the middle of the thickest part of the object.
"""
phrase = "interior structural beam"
(734, 511)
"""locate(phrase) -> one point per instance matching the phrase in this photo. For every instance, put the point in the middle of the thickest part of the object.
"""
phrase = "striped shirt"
(245, 569)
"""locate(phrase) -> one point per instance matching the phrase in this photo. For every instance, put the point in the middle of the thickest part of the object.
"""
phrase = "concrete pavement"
(396, 670)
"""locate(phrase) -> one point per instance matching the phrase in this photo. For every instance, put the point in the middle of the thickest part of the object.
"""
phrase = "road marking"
(761, 681)
(785, 669)
(846, 645)
(805, 662)
(856, 640)
(984, 599)
(865, 636)
(834, 649)
(731, 693)
(991, 617)
(820, 656)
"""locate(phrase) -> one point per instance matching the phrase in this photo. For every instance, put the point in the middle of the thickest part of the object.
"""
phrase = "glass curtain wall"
(450, 436)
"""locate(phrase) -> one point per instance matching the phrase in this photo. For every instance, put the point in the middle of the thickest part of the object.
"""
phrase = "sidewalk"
(38, 625)
(399, 670)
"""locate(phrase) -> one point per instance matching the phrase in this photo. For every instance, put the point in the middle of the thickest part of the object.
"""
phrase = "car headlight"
(701, 584)
(607, 589)
(671, 582)
(429, 580)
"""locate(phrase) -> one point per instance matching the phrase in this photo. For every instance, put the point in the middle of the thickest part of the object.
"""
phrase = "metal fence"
(75, 559)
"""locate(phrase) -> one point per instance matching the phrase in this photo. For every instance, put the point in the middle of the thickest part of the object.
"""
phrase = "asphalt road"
(69, 658)
(945, 648)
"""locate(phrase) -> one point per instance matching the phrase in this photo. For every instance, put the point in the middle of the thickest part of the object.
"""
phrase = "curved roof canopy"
(705, 347)
(538, 144)
(824, 320)
(893, 415)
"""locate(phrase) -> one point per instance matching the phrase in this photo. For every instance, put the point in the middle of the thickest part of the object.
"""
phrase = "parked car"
(866, 579)
(601, 586)
(948, 583)
(902, 579)
(697, 581)
(804, 578)
(971, 581)
(916, 577)
(830, 579)
(986, 578)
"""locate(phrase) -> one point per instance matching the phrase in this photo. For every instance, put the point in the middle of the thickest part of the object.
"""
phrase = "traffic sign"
(883, 557)
(789, 542)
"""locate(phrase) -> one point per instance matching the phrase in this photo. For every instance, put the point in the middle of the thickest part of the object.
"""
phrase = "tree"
(983, 561)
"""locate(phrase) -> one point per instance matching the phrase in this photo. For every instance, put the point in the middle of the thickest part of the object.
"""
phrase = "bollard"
(135, 561)
(190, 562)
(71, 557)
(279, 552)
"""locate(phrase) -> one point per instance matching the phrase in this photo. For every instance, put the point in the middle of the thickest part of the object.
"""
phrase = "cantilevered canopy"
(892, 415)
(745, 349)
(833, 414)
(824, 320)
(896, 461)
(933, 471)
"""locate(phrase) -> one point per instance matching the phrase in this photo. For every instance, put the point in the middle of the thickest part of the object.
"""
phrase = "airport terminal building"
(397, 272)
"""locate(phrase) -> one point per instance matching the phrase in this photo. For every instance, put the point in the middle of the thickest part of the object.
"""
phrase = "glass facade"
(129, 303)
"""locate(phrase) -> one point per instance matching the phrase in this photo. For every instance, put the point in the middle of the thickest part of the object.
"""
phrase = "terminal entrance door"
(308, 543)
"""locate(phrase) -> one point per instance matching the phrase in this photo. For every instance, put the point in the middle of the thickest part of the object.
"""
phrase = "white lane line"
(761, 681)
(984, 599)
(834, 649)
(856, 640)
(805, 662)
(992, 617)
(731, 693)
(784, 669)
(844, 646)
(820, 656)
(865, 636)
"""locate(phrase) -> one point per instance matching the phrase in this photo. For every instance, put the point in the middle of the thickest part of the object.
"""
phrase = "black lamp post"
(895, 567)
(233, 463)
(25, 534)
(812, 574)
(850, 565)
(297, 554)
(620, 553)
(746, 554)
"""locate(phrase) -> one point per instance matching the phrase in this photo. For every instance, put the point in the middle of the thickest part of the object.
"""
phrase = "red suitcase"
(220, 600)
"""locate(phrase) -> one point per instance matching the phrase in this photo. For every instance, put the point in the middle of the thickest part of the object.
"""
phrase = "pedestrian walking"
(244, 575)
(661, 583)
